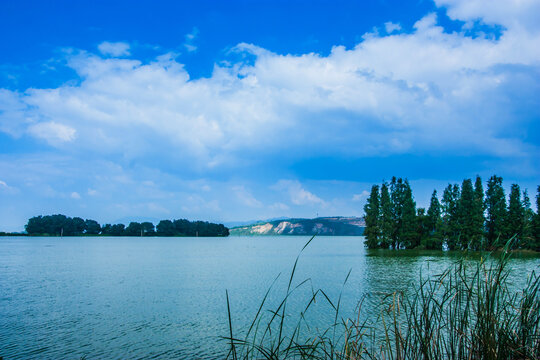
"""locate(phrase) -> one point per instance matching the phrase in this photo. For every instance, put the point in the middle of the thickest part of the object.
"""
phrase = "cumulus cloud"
(298, 195)
(509, 13)
(114, 49)
(390, 27)
(75, 195)
(53, 132)
(359, 197)
(245, 197)
(424, 91)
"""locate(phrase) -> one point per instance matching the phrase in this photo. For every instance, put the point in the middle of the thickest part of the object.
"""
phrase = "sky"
(233, 111)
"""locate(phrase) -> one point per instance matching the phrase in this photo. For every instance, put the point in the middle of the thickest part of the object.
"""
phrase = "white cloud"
(52, 132)
(390, 27)
(425, 91)
(245, 197)
(508, 13)
(115, 49)
(92, 192)
(75, 195)
(298, 195)
(359, 197)
(190, 39)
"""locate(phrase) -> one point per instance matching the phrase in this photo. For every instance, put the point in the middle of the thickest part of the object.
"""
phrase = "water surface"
(106, 297)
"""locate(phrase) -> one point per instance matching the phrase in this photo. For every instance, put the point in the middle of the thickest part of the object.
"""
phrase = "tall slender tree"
(477, 235)
(422, 228)
(536, 225)
(396, 196)
(465, 215)
(371, 217)
(528, 220)
(450, 216)
(514, 216)
(385, 217)
(496, 212)
(409, 235)
(434, 223)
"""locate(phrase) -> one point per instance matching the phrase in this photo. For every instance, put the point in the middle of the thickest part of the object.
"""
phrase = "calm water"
(65, 298)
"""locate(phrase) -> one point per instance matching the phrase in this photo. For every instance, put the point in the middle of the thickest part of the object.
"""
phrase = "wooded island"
(61, 225)
(464, 219)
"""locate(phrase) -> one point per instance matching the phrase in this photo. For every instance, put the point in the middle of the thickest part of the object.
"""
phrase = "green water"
(111, 298)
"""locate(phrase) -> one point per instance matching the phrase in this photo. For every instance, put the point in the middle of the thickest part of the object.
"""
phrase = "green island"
(464, 219)
(61, 225)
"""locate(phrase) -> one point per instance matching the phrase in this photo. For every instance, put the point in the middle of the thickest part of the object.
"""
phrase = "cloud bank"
(426, 90)
(423, 90)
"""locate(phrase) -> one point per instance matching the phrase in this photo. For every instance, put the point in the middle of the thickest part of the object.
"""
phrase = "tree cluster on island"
(61, 225)
(464, 219)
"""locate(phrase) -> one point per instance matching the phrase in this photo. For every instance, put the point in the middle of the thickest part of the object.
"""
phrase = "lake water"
(105, 297)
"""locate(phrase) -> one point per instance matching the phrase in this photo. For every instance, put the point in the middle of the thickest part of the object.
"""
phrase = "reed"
(466, 312)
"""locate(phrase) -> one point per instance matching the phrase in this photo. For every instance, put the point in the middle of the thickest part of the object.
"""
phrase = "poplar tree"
(371, 217)
(465, 215)
(514, 216)
(495, 203)
(536, 225)
(450, 216)
(433, 223)
(422, 227)
(528, 222)
(409, 236)
(477, 236)
(396, 196)
(385, 220)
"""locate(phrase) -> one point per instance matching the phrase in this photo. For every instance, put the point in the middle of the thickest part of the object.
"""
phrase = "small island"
(464, 219)
(62, 225)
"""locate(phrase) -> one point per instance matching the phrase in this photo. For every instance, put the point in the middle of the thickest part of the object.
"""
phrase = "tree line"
(464, 218)
(61, 225)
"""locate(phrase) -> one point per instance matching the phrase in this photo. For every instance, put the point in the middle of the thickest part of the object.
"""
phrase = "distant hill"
(337, 226)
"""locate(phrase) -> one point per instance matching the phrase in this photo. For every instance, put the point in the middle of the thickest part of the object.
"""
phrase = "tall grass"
(467, 312)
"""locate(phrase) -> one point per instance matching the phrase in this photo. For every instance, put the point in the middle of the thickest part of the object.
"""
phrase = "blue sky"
(241, 110)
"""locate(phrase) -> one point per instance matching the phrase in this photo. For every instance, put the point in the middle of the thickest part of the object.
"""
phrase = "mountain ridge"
(334, 225)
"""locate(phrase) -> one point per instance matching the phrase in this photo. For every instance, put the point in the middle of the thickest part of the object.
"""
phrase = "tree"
(117, 230)
(134, 229)
(536, 225)
(106, 229)
(371, 217)
(409, 235)
(465, 215)
(165, 228)
(422, 227)
(35, 226)
(496, 212)
(514, 216)
(434, 224)
(477, 234)
(148, 228)
(450, 216)
(78, 226)
(528, 222)
(385, 217)
(92, 227)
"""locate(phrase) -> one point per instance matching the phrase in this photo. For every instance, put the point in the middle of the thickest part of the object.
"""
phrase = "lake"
(107, 297)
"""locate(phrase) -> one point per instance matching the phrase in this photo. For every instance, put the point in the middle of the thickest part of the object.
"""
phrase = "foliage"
(462, 220)
(372, 209)
(496, 211)
(61, 225)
